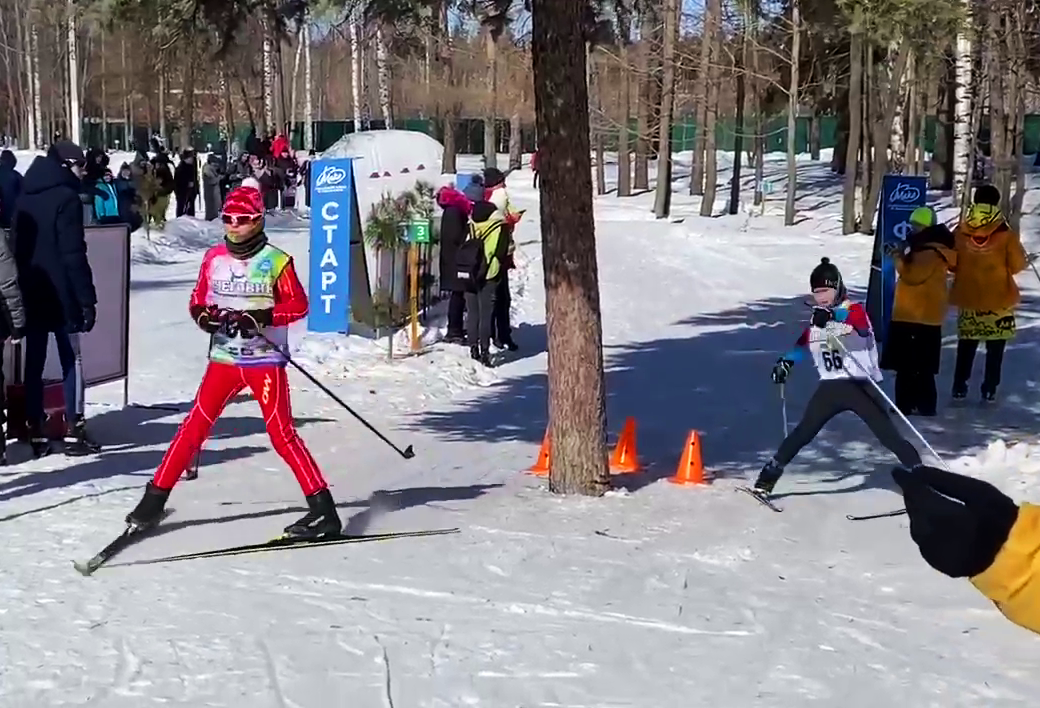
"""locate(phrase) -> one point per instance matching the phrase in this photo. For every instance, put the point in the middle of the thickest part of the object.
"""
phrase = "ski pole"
(887, 400)
(783, 408)
(407, 453)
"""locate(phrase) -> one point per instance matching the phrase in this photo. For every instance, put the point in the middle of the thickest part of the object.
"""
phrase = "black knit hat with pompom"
(825, 275)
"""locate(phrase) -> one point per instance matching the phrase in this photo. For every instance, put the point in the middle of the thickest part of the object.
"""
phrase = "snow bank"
(385, 153)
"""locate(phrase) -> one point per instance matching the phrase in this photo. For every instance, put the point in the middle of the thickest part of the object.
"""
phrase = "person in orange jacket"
(967, 528)
(913, 340)
(989, 255)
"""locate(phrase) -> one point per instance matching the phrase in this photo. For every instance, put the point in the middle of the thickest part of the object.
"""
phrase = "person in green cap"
(913, 341)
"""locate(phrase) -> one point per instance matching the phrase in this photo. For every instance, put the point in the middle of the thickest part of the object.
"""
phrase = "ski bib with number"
(858, 360)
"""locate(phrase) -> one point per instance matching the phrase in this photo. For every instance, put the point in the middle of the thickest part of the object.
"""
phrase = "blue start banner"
(900, 195)
(332, 199)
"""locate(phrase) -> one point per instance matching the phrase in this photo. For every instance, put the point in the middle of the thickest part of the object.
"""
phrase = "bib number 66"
(832, 361)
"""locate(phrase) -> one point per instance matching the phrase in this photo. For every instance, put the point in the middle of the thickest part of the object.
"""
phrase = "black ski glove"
(781, 370)
(958, 523)
(89, 317)
(207, 318)
(248, 323)
(821, 316)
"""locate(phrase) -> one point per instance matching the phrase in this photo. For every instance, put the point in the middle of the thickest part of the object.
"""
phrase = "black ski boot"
(989, 395)
(960, 391)
(3, 448)
(77, 443)
(149, 511)
(768, 477)
(321, 520)
(38, 441)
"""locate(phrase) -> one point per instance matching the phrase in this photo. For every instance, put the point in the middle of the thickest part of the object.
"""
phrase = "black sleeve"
(502, 246)
(72, 251)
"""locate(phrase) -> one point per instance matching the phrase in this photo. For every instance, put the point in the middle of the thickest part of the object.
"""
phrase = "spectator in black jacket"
(186, 184)
(12, 322)
(57, 287)
(10, 187)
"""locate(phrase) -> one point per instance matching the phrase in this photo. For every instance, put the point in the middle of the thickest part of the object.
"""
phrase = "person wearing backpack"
(479, 260)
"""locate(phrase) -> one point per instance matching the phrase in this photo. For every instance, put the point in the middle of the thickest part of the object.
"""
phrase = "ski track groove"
(272, 675)
(388, 693)
(525, 608)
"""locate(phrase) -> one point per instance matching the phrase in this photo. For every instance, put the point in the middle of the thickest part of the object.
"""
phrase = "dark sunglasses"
(240, 219)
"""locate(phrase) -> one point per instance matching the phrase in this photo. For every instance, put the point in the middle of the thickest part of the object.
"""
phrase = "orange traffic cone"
(625, 460)
(541, 467)
(691, 468)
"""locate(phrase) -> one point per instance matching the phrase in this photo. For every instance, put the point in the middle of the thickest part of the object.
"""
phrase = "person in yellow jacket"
(989, 255)
(967, 528)
(489, 227)
(913, 340)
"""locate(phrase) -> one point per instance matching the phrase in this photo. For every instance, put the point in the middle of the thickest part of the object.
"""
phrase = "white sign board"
(105, 350)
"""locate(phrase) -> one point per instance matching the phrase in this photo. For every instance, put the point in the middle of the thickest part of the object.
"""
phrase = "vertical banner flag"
(332, 190)
(900, 195)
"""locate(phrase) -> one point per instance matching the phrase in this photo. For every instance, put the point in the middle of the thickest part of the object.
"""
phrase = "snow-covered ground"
(654, 596)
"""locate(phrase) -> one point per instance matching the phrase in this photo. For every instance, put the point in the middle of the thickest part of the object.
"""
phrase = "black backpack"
(471, 266)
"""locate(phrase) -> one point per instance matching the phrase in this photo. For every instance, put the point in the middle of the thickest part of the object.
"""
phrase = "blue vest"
(106, 205)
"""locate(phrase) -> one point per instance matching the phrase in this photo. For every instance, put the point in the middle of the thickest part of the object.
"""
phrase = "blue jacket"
(10, 187)
(51, 250)
(106, 203)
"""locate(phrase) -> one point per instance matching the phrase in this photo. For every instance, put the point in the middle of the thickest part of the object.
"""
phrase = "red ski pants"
(220, 383)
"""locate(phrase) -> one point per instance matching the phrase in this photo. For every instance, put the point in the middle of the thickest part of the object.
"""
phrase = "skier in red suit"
(246, 296)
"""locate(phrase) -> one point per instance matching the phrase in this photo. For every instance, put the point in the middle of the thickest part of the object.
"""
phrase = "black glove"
(821, 316)
(207, 318)
(17, 333)
(958, 523)
(247, 323)
(781, 370)
(89, 317)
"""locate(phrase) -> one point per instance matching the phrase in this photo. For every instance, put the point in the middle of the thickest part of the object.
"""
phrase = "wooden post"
(413, 273)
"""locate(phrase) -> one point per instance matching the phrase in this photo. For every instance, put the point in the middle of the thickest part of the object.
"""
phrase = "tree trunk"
(516, 142)
(577, 391)
(34, 85)
(308, 88)
(940, 168)
(624, 180)
(188, 98)
(1000, 150)
(738, 140)
(713, 18)
(226, 129)
(814, 122)
(294, 82)
(448, 162)
(75, 111)
(104, 93)
(491, 102)
(162, 98)
(888, 102)
(267, 81)
(593, 85)
(896, 136)
(383, 79)
(1017, 52)
(852, 149)
(913, 117)
(357, 87)
(641, 175)
(701, 101)
(663, 196)
(962, 158)
(792, 115)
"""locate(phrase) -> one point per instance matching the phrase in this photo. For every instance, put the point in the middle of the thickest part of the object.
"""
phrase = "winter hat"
(923, 217)
(493, 177)
(68, 152)
(987, 194)
(244, 201)
(825, 275)
(252, 183)
(482, 211)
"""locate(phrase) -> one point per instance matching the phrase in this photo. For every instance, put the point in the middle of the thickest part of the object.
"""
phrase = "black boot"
(768, 477)
(149, 511)
(321, 520)
(38, 441)
(484, 357)
(77, 442)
